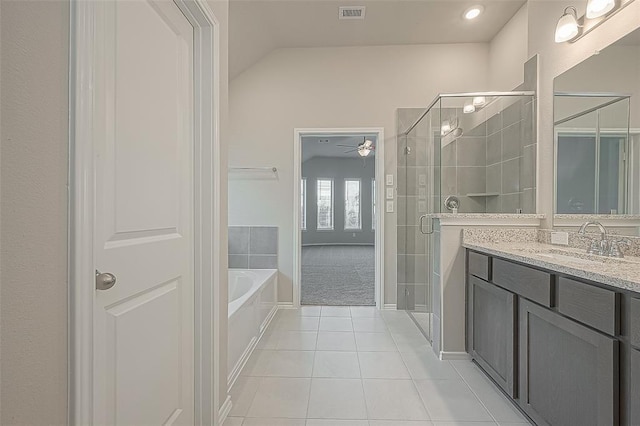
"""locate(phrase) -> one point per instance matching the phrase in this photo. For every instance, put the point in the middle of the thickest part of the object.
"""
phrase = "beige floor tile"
(336, 341)
(336, 364)
(451, 400)
(382, 365)
(335, 324)
(281, 398)
(375, 342)
(393, 400)
(337, 399)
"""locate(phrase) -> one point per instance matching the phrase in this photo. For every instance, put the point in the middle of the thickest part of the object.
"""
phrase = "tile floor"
(357, 366)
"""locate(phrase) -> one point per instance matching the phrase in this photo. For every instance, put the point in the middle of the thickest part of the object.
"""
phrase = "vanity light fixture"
(473, 12)
(479, 101)
(598, 8)
(445, 129)
(468, 107)
(567, 28)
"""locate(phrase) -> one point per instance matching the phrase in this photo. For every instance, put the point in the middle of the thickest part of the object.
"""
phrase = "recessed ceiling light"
(473, 12)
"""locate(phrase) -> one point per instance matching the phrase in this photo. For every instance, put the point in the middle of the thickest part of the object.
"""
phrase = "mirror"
(597, 133)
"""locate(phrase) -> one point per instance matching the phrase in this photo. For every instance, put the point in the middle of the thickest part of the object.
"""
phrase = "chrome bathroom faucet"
(601, 247)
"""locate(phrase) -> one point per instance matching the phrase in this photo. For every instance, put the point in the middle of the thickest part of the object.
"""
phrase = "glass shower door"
(418, 201)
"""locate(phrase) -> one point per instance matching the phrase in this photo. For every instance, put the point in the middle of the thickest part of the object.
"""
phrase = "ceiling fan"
(364, 148)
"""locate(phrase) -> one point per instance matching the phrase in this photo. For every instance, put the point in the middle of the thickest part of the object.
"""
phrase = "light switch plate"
(389, 193)
(389, 206)
(390, 180)
(560, 238)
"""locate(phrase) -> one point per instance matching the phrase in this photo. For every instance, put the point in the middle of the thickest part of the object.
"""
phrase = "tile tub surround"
(360, 366)
(619, 273)
(253, 247)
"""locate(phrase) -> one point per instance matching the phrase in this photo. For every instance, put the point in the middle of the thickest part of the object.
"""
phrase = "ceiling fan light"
(364, 152)
(567, 28)
(598, 8)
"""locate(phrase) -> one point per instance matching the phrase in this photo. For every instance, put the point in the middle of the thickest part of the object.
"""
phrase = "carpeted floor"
(338, 275)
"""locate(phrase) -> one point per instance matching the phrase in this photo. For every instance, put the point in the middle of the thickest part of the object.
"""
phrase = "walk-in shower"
(476, 148)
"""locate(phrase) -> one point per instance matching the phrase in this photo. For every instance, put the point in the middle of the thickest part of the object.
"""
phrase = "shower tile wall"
(253, 247)
(464, 166)
(510, 169)
(491, 168)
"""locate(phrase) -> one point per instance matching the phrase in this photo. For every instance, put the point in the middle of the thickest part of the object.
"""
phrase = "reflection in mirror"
(597, 133)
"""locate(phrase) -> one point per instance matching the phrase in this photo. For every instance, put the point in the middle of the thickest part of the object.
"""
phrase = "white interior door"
(143, 132)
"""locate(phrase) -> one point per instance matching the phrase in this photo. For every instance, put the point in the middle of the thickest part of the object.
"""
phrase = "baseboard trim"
(454, 356)
(389, 307)
(224, 411)
(285, 305)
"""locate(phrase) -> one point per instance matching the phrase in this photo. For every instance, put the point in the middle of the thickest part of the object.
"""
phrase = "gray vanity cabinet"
(568, 372)
(631, 407)
(491, 334)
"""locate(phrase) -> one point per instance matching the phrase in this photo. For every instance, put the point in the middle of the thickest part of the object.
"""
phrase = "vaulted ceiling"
(257, 27)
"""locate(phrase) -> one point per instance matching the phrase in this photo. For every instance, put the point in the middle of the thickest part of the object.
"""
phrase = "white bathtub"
(252, 304)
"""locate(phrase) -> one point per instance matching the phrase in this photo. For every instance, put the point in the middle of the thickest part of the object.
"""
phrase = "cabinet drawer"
(634, 322)
(479, 265)
(523, 280)
(591, 305)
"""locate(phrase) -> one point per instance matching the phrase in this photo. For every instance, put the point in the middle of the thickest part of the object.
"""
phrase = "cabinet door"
(568, 372)
(491, 331)
(632, 397)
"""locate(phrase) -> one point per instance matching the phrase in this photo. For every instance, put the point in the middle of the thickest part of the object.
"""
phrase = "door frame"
(207, 212)
(298, 133)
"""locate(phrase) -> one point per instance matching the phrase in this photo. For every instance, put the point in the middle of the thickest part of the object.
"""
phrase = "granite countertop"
(597, 216)
(620, 273)
(488, 216)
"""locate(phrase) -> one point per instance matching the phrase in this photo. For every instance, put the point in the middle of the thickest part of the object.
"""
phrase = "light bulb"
(598, 8)
(567, 27)
(473, 12)
(468, 107)
(479, 101)
(364, 152)
(446, 127)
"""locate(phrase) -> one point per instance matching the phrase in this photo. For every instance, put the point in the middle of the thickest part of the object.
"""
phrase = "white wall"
(556, 58)
(508, 53)
(33, 231)
(332, 87)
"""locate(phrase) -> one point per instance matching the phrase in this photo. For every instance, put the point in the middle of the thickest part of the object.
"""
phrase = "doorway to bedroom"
(338, 218)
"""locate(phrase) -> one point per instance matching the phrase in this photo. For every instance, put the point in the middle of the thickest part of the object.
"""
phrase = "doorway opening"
(338, 243)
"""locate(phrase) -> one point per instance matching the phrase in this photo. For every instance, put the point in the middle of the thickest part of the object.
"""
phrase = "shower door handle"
(422, 227)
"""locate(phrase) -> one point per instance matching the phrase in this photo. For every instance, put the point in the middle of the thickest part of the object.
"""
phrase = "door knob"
(104, 280)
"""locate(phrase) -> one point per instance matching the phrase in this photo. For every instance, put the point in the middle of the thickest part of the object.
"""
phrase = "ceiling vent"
(351, 12)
